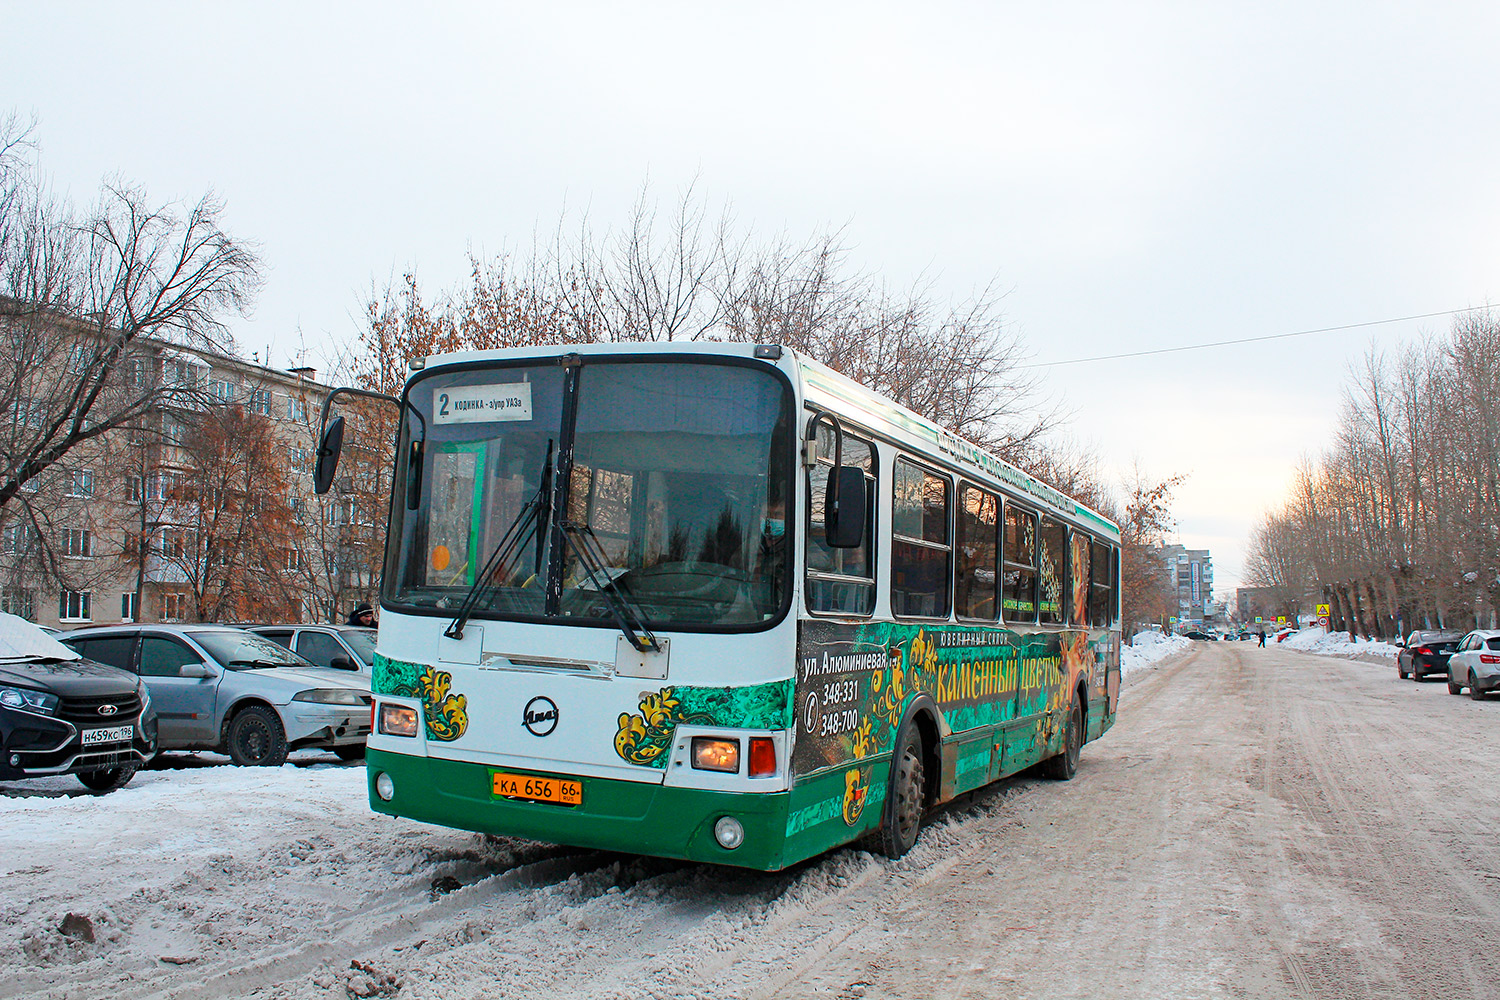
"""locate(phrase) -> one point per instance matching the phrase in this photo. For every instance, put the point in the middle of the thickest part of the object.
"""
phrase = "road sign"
(1323, 621)
(1323, 611)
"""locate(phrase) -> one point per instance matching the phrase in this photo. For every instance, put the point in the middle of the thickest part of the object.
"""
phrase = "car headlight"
(27, 700)
(145, 693)
(332, 696)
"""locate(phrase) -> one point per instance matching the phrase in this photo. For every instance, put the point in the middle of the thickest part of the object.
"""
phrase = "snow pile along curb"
(1315, 640)
(1148, 649)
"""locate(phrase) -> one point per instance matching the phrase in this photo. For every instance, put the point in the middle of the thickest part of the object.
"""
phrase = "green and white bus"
(718, 602)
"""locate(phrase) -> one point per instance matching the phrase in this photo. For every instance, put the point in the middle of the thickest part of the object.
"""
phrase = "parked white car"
(342, 647)
(1475, 664)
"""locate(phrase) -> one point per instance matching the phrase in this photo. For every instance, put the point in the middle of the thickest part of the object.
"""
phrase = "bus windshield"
(545, 485)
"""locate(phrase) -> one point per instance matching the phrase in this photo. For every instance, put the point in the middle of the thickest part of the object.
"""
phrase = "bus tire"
(1065, 765)
(906, 793)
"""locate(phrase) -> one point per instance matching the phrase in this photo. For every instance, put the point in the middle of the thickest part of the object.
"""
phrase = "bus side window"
(921, 556)
(840, 581)
(1051, 560)
(1101, 590)
(975, 580)
(1078, 577)
(1020, 564)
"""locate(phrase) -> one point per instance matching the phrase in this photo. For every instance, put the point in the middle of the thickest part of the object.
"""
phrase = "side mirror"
(329, 446)
(844, 508)
(343, 663)
(198, 670)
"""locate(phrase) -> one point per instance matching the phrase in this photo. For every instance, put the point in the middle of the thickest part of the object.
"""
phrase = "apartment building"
(201, 509)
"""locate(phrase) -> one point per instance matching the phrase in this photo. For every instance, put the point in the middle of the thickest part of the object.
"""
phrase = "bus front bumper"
(635, 817)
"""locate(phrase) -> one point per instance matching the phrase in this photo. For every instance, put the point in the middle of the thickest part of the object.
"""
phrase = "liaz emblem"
(540, 716)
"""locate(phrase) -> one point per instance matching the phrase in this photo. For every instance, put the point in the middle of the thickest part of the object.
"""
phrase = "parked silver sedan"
(225, 689)
(1475, 664)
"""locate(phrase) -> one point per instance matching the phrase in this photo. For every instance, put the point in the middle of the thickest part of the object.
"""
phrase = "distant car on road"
(343, 647)
(1425, 652)
(1475, 664)
(62, 714)
(1199, 635)
(224, 689)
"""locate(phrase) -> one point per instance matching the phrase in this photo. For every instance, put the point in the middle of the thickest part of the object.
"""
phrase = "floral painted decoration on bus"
(445, 715)
(644, 738)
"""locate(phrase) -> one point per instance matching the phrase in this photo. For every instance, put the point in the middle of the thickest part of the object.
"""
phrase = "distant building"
(1190, 573)
(128, 527)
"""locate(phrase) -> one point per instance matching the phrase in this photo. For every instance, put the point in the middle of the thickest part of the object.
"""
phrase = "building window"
(127, 607)
(15, 539)
(81, 483)
(296, 408)
(73, 606)
(260, 401)
(134, 489)
(78, 542)
(224, 391)
(173, 607)
(293, 560)
(301, 459)
(21, 603)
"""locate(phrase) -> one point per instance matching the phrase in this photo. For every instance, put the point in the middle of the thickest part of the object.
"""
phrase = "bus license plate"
(120, 734)
(564, 791)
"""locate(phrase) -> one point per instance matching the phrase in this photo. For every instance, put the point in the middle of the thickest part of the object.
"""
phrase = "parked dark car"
(1199, 635)
(1426, 652)
(63, 714)
(224, 689)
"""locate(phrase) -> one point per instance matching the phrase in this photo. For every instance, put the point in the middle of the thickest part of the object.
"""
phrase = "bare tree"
(78, 289)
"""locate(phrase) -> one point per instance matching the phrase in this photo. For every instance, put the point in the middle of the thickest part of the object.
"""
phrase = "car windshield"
(671, 471)
(362, 641)
(246, 651)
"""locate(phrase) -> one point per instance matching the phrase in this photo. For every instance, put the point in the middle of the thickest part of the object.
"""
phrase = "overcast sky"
(1134, 176)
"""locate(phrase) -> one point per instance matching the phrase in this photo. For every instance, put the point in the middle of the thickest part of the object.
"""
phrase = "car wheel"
(350, 751)
(256, 738)
(1400, 673)
(1474, 690)
(1454, 688)
(1065, 765)
(108, 779)
(905, 796)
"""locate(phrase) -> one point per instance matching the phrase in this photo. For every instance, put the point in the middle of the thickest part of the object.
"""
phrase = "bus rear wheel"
(1065, 765)
(906, 794)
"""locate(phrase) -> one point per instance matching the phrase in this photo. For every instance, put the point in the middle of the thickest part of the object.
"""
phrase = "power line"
(1251, 340)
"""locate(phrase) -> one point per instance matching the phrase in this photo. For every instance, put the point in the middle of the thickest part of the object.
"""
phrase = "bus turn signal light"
(397, 720)
(716, 755)
(762, 757)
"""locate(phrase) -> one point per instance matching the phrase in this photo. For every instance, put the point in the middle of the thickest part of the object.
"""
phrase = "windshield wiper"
(580, 538)
(263, 663)
(530, 522)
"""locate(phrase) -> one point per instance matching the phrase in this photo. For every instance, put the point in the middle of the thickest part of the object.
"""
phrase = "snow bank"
(1315, 640)
(1147, 649)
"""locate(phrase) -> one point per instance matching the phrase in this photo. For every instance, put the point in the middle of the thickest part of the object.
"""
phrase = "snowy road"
(1261, 823)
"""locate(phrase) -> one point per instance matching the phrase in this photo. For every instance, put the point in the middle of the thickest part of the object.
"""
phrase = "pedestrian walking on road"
(1261, 635)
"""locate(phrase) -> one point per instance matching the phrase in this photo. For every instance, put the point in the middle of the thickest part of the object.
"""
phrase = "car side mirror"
(343, 663)
(198, 670)
(329, 446)
(844, 508)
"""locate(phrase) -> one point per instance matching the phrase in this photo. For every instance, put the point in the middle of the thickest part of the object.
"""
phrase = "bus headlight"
(384, 786)
(729, 832)
(716, 755)
(397, 720)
